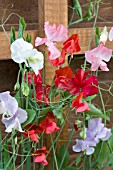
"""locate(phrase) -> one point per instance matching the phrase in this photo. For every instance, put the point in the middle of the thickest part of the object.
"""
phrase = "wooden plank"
(27, 9)
(84, 35)
(5, 46)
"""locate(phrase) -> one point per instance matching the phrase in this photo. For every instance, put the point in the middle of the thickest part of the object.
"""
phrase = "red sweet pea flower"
(40, 155)
(36, 78)
(62, 77)
(79, 105)
(32, 131)
(72, 44)
(48, 125)
(80, 82)
(42, 93)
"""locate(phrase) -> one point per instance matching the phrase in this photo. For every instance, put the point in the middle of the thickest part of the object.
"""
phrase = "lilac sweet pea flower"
(12, 115)
(94, 133)
(96, 57)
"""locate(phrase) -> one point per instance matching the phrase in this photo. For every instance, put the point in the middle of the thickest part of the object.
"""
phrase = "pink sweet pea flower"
(53, 34)
(79, 105)
(96, 57)
(40, 155)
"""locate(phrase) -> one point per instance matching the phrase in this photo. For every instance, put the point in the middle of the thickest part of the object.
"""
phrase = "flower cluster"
(37, 109)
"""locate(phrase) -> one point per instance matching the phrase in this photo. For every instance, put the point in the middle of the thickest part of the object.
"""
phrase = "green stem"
(54, 152)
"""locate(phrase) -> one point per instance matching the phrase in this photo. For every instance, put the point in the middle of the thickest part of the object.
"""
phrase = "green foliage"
(22, 26)
(77, 8)
(12, 35)
(28, 38)
(57, 111)
(71, 168)
(89, 13)
(31, 115)
(97, 36)
(95, 112)
(89, 98)
(62, 156)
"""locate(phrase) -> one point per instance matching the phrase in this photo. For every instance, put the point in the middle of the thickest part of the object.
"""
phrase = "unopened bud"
(25, 89)
(83, 133)
(17, 86)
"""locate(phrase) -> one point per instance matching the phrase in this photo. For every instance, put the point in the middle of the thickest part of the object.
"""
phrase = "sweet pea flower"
(72, 44)
(79, 105)
(81, 82)
(104, 35)
(12, 116)
(96, 57)
(32, 130)
(62, 77)
(97, 131)
(53, 34)
(48, 124)
(94, 133)
(40, 156)
(86, 146)
(22, 51)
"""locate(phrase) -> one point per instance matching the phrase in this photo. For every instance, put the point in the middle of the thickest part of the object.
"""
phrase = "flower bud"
(17, 86)
(104, 35)
(83, 133)
(25, 89)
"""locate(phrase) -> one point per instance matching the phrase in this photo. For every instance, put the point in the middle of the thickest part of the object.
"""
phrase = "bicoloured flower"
(40, 155)
(48, 124)
(79, 105)
(22, 51)
(97, 56)
(13, 116)
(82, 83)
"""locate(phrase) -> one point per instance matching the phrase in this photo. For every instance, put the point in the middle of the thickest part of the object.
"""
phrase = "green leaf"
(31, 115)
(28, 38)
(89, 98)
(104, 153)
(89, 13)
(78, 159)
(22, 26)
(71, 168)
(95, 112)
(60, 156)
(12, 35)
(110, 111)
(45, 110)
(97, 36)
(57, 111)
(77, 8)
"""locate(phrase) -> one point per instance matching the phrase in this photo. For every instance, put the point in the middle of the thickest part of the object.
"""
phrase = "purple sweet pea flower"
(83, 145)
(12, 115)
(95, 132)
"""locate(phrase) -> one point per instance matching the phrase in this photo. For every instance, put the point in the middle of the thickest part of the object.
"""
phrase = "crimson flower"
(72, 44)
(80, 82)
(62, 77)
(48, 124)
(32, 131)
(33, 76)
(79, 105)
(40, 155)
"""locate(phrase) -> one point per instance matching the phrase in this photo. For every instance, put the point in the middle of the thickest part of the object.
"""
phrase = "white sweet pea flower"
(22, 51)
